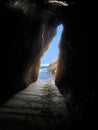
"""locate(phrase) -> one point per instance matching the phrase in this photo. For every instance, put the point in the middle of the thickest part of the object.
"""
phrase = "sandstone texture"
(52, 67)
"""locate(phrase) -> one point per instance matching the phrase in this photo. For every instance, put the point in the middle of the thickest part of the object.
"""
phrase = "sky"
(53, 51)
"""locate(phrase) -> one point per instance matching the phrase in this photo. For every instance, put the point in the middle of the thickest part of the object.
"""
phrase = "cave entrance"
(50, 56)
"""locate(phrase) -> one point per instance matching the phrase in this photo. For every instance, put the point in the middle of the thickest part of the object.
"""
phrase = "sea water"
(44, 75)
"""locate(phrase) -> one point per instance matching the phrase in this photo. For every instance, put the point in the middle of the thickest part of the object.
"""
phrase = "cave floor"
(39, 106)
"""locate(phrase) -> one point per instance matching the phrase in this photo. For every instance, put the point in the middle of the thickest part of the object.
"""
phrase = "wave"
(43, 67)
(43, 70)
(44, 64)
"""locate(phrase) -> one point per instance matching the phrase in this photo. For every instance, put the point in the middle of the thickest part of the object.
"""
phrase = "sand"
(39, 106)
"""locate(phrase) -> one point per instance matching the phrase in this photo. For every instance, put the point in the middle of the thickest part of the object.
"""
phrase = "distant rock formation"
(52, 67)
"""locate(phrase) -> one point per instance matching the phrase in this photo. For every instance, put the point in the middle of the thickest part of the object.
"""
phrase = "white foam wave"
(43, 70)
(45, 64)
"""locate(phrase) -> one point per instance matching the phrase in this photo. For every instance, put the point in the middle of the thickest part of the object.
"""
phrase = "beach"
(40, 106)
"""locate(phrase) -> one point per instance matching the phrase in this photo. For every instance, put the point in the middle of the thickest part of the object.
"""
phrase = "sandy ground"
(40, 106)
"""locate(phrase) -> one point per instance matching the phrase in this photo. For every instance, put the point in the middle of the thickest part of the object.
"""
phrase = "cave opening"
(48, 64)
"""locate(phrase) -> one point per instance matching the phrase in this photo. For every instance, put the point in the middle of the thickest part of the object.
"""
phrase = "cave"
(27, 27)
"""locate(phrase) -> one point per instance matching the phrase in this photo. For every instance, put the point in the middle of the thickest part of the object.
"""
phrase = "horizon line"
(46, 64)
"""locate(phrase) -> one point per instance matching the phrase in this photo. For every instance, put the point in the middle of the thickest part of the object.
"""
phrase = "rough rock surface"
(52, 67)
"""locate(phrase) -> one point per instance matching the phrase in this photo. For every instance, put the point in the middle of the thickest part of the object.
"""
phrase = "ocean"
(44, 75)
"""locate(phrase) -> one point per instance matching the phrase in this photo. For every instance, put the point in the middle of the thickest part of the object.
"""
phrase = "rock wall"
(73, 76)
(27, 28)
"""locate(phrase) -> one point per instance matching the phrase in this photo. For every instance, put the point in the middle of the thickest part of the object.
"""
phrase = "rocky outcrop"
(52, 67)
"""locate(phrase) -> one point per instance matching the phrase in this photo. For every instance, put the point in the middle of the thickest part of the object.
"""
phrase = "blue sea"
(43, 74)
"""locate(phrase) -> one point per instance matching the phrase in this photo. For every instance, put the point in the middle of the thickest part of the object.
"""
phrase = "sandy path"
(40, 106)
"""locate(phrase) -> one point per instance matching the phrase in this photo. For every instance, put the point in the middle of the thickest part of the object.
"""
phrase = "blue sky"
(53, 51)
